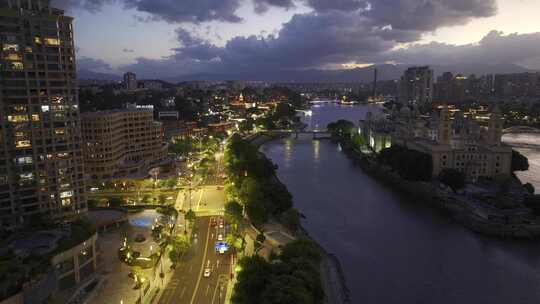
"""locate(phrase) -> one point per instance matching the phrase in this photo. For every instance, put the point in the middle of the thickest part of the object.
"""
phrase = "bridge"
(317, 134)
(520, 129)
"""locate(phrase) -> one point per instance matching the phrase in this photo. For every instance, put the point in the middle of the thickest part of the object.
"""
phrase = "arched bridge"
(521, 129)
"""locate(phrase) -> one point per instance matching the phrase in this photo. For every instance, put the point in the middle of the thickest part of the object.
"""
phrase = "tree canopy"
(292, 277)
(453, 178)
(519, 162)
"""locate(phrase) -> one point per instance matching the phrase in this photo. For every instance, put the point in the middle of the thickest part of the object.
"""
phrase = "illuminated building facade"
(41, 168)
(468, 142)
(119, 143)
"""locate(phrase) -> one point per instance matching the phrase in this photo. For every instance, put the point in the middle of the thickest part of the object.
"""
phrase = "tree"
(519, 162)
(452, 178)
(291, 219)
(190, 216)
(234, 212)
(341, 128)
(409, 164)
(146, 199)
(252, 280)
(179, 246)
(162, 199)
(529, 187)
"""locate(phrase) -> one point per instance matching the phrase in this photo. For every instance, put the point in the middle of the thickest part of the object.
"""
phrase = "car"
(220, 223)
(206, 273)
(220, 237)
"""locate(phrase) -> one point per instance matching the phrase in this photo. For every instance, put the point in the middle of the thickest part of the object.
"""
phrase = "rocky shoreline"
(458, 208)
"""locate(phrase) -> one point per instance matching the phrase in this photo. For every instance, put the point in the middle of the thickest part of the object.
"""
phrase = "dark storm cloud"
(188, 10)
(86, 63)
(193, 47)
(90, 5)
(261, 6)
(345, 5)
(428, 15)
(494, 48)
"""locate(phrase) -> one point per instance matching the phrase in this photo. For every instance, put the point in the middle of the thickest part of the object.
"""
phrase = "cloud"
(126, 50)
(86, 63)
(494, 48)
(428, 15)
(262, 6)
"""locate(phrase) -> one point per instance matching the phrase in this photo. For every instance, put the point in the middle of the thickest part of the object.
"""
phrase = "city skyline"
(140, 36)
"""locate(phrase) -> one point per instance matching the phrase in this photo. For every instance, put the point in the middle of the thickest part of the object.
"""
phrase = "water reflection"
(394, 250)
(528, 145)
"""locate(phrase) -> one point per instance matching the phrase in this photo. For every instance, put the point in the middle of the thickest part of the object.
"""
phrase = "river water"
(394, 250)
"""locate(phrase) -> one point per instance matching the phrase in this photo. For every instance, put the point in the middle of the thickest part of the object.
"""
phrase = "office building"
(41, 164)
(122, 143)
(130, 81)
(416, 86)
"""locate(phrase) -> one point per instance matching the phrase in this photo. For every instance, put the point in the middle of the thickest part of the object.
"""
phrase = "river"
(394, 250)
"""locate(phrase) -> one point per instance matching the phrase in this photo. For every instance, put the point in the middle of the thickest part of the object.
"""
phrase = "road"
(188, 284)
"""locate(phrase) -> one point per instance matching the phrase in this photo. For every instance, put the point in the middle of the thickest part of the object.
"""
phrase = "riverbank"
(332, 277)
(476, 216)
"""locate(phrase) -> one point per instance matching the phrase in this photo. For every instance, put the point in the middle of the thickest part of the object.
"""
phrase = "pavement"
(187, 284)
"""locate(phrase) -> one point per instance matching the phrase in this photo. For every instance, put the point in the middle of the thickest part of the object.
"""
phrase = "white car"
(220, 237)
(206, 273)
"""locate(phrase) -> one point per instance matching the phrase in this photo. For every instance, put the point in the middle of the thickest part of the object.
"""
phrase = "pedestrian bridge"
(521, 129)
(316, 134)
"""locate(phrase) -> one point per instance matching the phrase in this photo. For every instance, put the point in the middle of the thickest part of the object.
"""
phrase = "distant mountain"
(91, 75)
(385, 72)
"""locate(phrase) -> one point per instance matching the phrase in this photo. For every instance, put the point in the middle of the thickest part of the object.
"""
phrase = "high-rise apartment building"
(416, 86)
(130, 81)
(118, 143)
(41, 162)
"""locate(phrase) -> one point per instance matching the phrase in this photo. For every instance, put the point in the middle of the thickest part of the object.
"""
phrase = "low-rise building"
(119, 143)
(461, 142)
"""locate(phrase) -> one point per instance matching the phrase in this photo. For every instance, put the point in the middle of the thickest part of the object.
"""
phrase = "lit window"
(37, 40)
(52, 41)
(45, 109)
(60, 131)
(66, 202)
(26, 160)
(17, 66)
(19, 108)
(17, 118)
(26, 176)
(23, 144)
(66, 194)
(13, 57)
(10, 47)
(28, 49)
(35, 117)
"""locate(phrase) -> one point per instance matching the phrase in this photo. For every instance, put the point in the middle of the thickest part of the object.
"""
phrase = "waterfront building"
(416, 86)
(463, 142)
(130, 81)
(119, 143)
(41, 167)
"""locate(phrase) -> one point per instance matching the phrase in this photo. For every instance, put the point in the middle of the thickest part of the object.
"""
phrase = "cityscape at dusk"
(269, 151)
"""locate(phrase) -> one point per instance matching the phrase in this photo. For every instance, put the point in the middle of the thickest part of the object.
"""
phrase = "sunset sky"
(198, 36)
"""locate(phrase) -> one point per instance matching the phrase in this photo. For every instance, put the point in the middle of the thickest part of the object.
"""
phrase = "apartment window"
(10, 47)
(18, 118)
(13, 57)
(51, 41)
(25, 160)
(23, 144)
(17, 66)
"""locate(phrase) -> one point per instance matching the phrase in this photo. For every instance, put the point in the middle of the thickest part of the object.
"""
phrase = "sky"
(169, 38)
